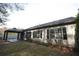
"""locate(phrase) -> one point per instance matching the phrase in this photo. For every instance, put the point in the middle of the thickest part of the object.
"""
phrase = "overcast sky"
(42, 11)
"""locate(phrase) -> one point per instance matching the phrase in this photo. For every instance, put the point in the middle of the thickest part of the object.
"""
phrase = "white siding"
(44, 35)
(31, 34)
(70, 35)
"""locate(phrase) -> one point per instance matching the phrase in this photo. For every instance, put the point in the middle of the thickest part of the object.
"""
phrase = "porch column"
(18, 36)
(6, 35)
(31, 34)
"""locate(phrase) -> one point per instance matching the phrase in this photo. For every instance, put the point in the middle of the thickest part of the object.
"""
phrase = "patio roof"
(14, 30)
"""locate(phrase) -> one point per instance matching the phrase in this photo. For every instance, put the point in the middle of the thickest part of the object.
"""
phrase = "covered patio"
(13, 35)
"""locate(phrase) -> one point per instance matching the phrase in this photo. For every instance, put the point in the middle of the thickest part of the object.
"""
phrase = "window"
(60, 33)
(57, 33)
(52, 34)
(37, 34)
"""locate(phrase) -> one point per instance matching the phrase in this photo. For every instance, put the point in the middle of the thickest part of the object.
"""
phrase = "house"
(60, 32)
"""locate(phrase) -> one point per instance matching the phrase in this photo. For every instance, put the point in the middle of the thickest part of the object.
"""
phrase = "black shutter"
(41, 33)
(64, 33)
(47, 34)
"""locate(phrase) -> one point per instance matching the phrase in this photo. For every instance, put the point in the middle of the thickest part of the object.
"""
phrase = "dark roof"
(64, 21)
(13, 30)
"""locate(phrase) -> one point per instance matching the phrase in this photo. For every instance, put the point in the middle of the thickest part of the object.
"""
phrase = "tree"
(77, 32)
(5, 8)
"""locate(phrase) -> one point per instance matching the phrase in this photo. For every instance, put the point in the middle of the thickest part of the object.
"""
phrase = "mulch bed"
(3, 42)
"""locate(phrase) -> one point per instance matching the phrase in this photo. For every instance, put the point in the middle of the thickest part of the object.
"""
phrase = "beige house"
(61, 32)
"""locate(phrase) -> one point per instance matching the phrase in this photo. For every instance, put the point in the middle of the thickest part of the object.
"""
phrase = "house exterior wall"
(44, 35)
(71, 35)
(70, 42)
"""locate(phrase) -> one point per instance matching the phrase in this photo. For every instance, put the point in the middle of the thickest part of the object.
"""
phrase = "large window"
(37, 34)
(57, 33)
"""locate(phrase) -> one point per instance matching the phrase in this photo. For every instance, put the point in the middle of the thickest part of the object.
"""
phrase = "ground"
(24, 48)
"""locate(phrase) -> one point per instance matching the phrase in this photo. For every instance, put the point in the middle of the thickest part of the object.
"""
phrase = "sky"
(42, 11)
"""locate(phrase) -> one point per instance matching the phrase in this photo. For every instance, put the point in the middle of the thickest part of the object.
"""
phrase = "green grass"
(23, 48)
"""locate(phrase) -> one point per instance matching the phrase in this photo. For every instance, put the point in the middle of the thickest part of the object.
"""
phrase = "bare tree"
(6, 7)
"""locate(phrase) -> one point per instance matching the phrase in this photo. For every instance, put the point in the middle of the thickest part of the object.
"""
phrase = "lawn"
(24, 48)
